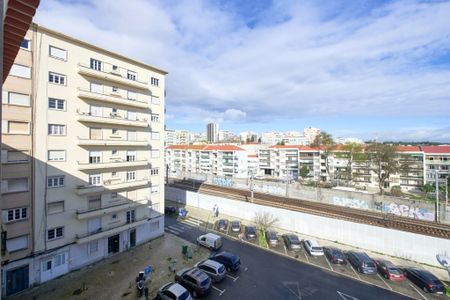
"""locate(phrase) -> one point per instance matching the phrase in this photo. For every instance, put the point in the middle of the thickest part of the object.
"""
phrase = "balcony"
(112, 142)
(119, 163)
(103, 232)
(97, 212)
(110, 185)
(107, 73)
(113, 120)
(111, 98)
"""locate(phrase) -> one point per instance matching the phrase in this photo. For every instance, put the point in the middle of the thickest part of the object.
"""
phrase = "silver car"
(235, 226)
(173, 291)
(214, 269)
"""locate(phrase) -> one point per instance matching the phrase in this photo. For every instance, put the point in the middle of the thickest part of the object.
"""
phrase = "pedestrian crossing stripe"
(192, 222)
(175, 229)
(173, 232)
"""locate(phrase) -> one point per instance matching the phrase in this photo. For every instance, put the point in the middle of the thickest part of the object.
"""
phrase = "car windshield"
(294, 239)
(221, 269)
(205, 282)
(395, 271)
(184, 296)
(369, 265)
(316, 249)
(235, 223)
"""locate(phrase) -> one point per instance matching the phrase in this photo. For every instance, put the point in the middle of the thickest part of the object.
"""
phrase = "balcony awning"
(18, 16)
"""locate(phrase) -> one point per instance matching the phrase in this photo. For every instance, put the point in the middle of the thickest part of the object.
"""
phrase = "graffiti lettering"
(408, 211)
(223, 181)
(353, 203)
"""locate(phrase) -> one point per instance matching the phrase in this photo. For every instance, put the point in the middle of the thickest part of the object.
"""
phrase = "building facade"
(176, 137)
(212, 132)
(97, 154)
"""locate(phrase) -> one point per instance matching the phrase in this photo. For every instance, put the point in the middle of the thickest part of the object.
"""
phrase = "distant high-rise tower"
(212, 132)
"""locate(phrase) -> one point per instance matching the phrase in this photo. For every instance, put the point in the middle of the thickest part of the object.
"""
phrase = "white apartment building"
(287, 138)
(226, 136)
(310, 133)
(98, 166)
(248, 137)
(176, 137)
(214, 160)
(197, 137)
(437, 159)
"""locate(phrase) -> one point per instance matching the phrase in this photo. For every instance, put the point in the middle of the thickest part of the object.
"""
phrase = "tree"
(427, 188)
(325, 141)
(353, 153)
(383, 162)
(281, 143)
(304, 172)
(265, 220)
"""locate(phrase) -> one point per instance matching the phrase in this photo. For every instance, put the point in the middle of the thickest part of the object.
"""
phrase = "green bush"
(262, 239)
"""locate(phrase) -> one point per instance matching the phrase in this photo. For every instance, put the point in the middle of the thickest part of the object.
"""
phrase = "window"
(95, 133)
(96, 88)
(55, 233)
(131, 216)
(15, 127)
(20, 71)
(154, 226)
(55, 181)
(96, 64)
(94, 179)
(114, 174)
(14, 185)
(16, 244)
(95, 157)
(154, 171)
(57, 78)
(114, 110)
(131, 75)
(95, 110)
(55, 207)
(15, 98)
(11, 157)
(56, 129)
(95, 203)
(155, 135)
(131, 115)
(155, 100)
(131, 155)
(16, 214)
(154, 81)
(25, 44)
(154, 189)
(154, 118)
(155, 153)
(131, 95)
(114, 195)
(113, 152)
(131, 135)
(131, 176)
(115, 89)
(58, 53)
(93, 247)
(56, 104)
(59, 259)
(56, 155)
(114, 131)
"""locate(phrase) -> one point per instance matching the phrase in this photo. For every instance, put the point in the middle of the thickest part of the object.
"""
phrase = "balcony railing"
(112, 142)
(117, 163)
(111, 98)
(107, 72)
(110, 185)
(107, 209)
(114, 119)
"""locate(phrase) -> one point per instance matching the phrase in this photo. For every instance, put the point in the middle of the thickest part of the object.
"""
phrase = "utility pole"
(251, 187)
(437, 197)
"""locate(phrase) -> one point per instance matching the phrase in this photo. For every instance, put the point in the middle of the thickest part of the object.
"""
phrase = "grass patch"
(447, 289)
(262, 239)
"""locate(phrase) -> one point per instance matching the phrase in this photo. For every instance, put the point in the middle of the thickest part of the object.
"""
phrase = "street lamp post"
(437, 173)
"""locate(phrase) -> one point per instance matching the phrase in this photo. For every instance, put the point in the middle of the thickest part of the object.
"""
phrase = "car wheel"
(425, 289)
(194, 294)
(228, 269)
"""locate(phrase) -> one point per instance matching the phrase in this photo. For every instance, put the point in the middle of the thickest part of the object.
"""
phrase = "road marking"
(173, 232)
(417, 291)
(297, 293)
(384, 281)
(306, 257)
(179, 227)
(346, 297)
(329, 264)
(357, 275)
(219, 290)
(232, 278)
(285, 250)
(192, 222)
(175, 229)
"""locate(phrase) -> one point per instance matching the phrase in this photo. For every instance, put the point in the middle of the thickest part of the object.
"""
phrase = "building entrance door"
(16, 280)
(114, 244)
(132, 238)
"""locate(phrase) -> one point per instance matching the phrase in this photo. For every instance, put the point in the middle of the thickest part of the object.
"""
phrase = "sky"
(366, 69)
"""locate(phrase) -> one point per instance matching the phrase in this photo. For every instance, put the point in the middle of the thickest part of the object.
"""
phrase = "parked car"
(173, 291)
(388, 270)
(313, 248)
(272, 238)
(292, 242)
(215, 270)
(425, 280)
(361, 262)
(250, 232)
(229, 260)
(194, 280)
(235, 226)
(210, 240)
(335, 255)
(222, 225)
(170, 210)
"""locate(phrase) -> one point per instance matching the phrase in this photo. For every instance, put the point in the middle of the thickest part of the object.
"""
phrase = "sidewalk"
(207, 216)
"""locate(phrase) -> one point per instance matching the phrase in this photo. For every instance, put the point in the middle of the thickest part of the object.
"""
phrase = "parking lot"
(295, 287)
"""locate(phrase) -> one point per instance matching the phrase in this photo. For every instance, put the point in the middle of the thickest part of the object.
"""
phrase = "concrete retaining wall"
(419, 248)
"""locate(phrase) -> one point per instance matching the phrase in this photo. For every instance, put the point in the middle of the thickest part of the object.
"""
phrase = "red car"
(389, 271)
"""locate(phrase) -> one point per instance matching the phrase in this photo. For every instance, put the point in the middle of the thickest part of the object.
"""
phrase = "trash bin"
(189, 253)
(184, 249)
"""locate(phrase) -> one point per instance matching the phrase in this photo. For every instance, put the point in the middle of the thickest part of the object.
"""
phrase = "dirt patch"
(114, 277)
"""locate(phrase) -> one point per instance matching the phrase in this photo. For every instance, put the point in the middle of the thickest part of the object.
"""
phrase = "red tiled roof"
(177, 147)
(299, 147)
(408, 149)
(222, 148)
(436, 149)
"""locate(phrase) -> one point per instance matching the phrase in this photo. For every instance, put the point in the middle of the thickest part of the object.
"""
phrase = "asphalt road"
(265, 275)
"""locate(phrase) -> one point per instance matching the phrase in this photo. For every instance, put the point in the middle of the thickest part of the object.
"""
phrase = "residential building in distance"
(176, 137)
(226, 136)
(212, 132)
(285, 138)
(197, 137)
(84, 130)
(310, 133)
(248, 137)
(437, 159)
(212, 160)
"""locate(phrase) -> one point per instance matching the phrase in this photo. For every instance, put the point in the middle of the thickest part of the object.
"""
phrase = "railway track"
(326, 210)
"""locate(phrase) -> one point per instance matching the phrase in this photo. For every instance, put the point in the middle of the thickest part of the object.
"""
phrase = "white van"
(210, 240)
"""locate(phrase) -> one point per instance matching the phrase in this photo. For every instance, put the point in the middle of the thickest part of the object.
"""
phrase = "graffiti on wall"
(269, 189)
(408, 211)
(348, 202)
(228, 182)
